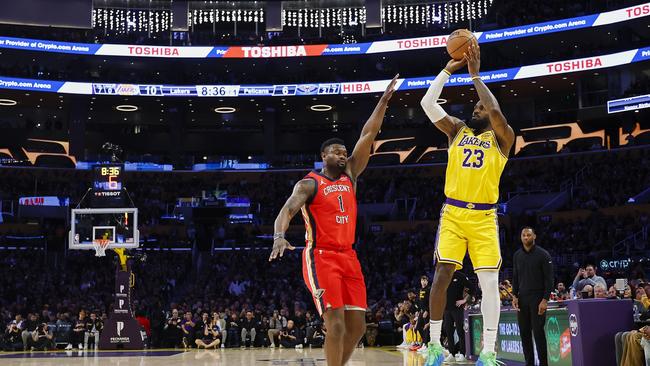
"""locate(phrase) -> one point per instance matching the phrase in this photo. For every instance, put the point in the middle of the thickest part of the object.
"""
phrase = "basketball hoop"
(100, 246)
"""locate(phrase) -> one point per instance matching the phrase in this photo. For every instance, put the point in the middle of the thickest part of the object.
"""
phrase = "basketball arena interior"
(325, 182)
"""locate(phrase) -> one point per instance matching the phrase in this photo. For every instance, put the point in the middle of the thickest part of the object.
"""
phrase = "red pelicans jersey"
(331, 214)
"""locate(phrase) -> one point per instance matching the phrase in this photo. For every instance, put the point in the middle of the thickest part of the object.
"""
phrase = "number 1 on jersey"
(341, 204)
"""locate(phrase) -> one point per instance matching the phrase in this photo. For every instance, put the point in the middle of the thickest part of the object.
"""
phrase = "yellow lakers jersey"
(474, 168)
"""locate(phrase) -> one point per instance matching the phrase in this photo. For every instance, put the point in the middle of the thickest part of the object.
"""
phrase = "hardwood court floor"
(227, 357)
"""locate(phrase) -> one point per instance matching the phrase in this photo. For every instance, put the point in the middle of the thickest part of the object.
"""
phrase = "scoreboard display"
(107, 185)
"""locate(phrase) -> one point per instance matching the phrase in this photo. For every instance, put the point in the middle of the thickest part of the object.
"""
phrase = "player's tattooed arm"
(358, 162)
(302, 192)
(505, 134)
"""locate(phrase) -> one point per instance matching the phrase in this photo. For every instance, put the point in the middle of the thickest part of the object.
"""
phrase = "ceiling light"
(126, 108)
(321, 107)
(225, 110)
(8, 102)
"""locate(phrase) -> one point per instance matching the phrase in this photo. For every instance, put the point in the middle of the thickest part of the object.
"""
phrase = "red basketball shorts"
(334, 279)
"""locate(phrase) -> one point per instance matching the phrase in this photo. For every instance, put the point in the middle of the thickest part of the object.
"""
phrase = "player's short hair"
(590, 265)
(424, 277)
(332, 141)
(528, 228)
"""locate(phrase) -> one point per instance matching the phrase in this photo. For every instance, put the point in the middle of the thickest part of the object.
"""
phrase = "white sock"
(435, 328)
(404, 334)
(490, 308)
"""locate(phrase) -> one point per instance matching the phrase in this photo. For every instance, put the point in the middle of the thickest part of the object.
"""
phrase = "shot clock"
(107, 185)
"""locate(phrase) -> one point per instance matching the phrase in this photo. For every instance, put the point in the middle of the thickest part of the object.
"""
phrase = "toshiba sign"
(575, 65)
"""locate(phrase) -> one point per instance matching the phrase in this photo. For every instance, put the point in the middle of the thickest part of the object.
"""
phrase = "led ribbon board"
(359, 87)
(398, 45)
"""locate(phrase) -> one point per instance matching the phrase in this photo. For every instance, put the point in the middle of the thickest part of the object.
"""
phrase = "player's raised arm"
(302, 191)
(505, 134)
(359, 160)
(444, 122)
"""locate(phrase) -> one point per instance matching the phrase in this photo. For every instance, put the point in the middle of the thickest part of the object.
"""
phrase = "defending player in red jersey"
(331, 269)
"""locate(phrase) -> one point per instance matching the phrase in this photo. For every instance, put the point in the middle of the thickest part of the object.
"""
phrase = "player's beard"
(478, 124)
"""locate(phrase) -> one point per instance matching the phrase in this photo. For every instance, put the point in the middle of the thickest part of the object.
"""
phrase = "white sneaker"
(223, 345)
(404, 345)
(299, 346)
(81, 346)
(460, 357)
(423, 350)
(450, 358)
(69, 346)
(272, 345)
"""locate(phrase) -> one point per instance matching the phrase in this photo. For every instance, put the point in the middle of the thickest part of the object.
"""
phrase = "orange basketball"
(458, 43)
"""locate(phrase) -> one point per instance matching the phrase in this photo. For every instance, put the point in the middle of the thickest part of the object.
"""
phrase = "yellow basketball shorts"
(461, 230)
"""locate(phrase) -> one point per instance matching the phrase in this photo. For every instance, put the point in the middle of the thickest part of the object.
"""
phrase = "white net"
(100, 247)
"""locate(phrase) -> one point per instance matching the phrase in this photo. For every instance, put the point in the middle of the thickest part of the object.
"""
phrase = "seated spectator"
(587, 276)
(29, 326)
(232, 328)
(612, 293)
(12, 337)
(561, 293)
(290, 337)
(505, 292)
(42, 338)
(600, 291)
(642, 297)
(248, 328)
(187, 326)
(94, 325)
(587, 292)
(210, 333)
(276, 324)
(173, 334)
(627, 292)
(372, 328)
(78, 331)
(633, 348)
(221, 321)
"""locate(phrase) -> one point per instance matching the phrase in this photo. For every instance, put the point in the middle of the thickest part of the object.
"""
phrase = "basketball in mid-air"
(458, 43)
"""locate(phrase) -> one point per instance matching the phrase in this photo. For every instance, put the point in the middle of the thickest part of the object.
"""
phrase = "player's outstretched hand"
(390, 89)
(473, 58)
(279, 246)
(455, 65)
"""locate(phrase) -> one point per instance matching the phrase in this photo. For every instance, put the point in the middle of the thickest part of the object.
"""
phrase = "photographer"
(311, 323)
(12, 338)
(276, 324)
(93, 326)
(403, 318)
(290, 336)
(42, 338)
(173, 335)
